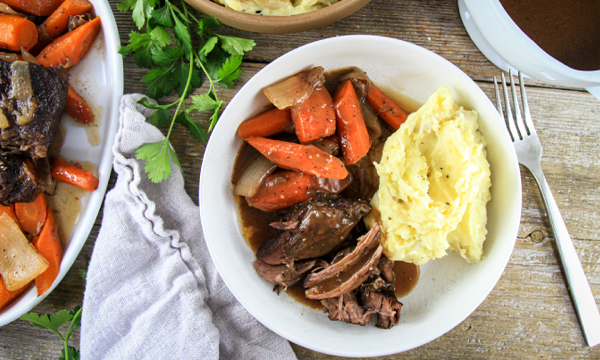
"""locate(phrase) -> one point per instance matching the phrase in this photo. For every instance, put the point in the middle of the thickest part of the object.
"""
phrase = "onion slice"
(253, 175)
(295, 89)
(20, 263)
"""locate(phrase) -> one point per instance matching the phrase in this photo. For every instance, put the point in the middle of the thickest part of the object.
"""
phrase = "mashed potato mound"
(275, 7)
(434, 185)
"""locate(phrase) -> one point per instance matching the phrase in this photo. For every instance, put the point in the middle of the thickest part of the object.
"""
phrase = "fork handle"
(585, 304)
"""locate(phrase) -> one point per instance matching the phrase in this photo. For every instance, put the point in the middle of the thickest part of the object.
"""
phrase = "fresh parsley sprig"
(54, 322)
(176, 64)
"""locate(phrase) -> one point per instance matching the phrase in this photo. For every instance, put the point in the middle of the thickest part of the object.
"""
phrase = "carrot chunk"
(70, 48)
(386, 108)
(69, 173)
(34, 7)
(267, 123)
(17, 31)
(32, 215)
(307, 159)
(48, 244)
(314, 118)
(10, 211)
(352, 130)
(283, 189)
(78, 108)
(7, 296)
(56, 24)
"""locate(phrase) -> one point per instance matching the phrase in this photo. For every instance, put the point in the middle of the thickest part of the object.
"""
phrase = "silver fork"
(529, 151)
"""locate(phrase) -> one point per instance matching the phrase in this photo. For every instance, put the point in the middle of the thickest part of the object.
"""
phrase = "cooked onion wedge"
(296, 88)
(253, 175)
(20, 263)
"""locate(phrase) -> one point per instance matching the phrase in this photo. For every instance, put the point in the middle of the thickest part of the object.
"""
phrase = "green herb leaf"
(160, 117)
(162, 16)
(209, 45)
(180, 76)
(126, 5)
(230, 71)
(50, 322)
(146, 102)
(235, 45)
(203, 102)
(167, 56)
(160, 35)
(157, 160)
(197, 132)
(141, 12)
(183, 36)
(159, 82)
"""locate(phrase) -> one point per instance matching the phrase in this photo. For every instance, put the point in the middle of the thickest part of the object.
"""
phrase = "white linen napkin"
(152, 290)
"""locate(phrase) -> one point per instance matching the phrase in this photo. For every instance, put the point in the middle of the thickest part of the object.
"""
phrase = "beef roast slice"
(322, 224)
(387, 308)
(346, 308)
(32, 99)
(348, 273)
(283, 274)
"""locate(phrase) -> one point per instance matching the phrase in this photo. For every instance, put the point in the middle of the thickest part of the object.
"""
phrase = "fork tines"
(518, 128)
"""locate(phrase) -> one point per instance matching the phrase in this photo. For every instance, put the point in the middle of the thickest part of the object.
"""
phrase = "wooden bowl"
(279, 24)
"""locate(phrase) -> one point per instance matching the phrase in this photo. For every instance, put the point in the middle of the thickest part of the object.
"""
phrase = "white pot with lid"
(502, 41)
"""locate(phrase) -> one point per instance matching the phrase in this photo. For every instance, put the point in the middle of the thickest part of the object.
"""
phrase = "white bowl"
(99, 79)
(508, 47)
(449, 288)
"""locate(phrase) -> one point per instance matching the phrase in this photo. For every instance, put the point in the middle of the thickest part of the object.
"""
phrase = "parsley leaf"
(158, 162)
(166, 56)
(197, 132)
(181, 66)
(230, 71)
(235, 45)
(159, 82)
(54, 322)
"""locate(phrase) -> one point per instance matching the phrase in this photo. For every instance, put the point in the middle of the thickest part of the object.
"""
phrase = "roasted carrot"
(78, 108)
(70, 48)
(34, 7)
(307, 159)
(69, 173)
(56, 24)
(267, 123)
(10, 211)
(283, 189)
(314, 118)
(352, 130)
(7, 296)
(386, 108)
(17, 31)
(32, 215)
(48, 244)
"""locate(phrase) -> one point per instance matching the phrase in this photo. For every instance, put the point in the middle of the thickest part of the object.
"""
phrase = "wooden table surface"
(529, 314)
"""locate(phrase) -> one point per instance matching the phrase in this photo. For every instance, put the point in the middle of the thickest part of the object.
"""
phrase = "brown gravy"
(255, 223)
(569, 31)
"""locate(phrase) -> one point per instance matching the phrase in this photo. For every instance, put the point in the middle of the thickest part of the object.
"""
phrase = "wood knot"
(536, 236)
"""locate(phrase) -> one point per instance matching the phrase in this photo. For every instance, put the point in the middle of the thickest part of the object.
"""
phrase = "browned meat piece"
(346, 308)
(17, 181)
(348, 273)
(387, 308)
(366, 180)
(32, 99)
(282, 274)
(386, 266)
(323, 225)
(285, 226)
